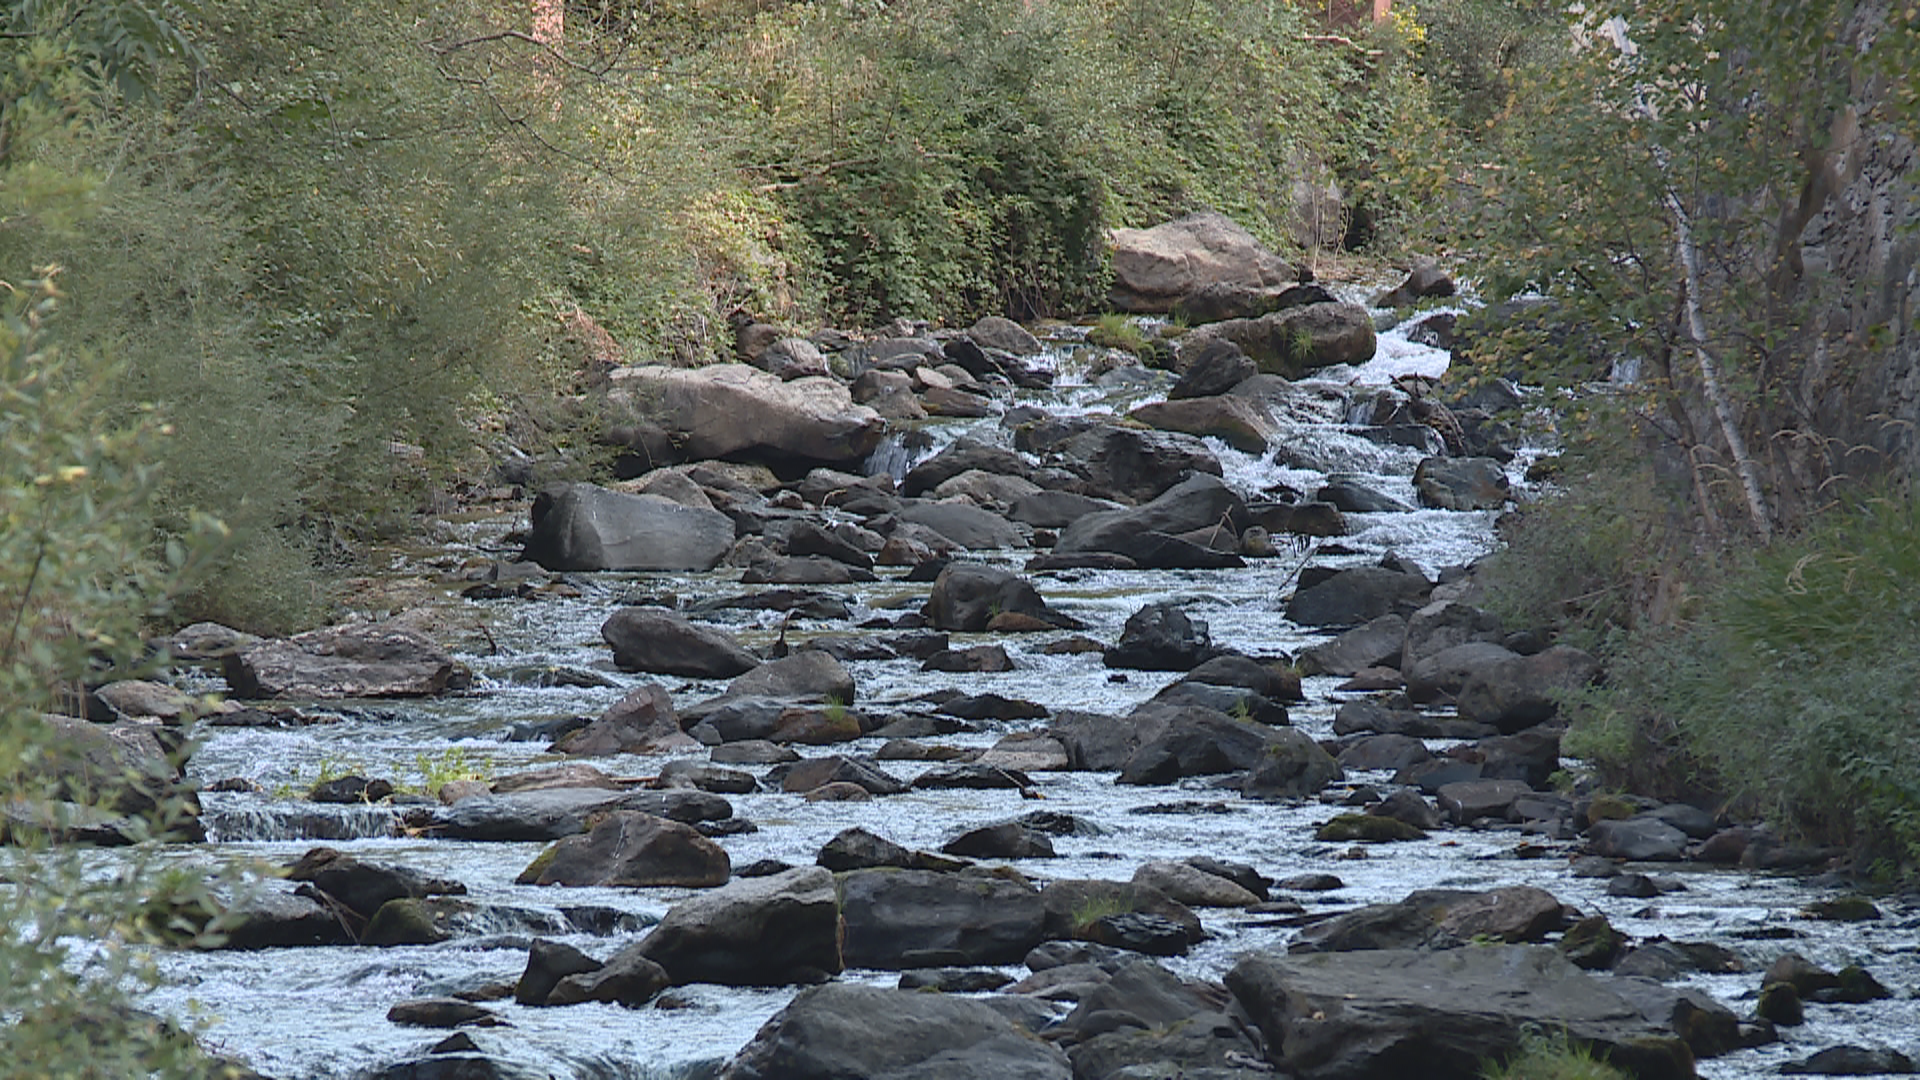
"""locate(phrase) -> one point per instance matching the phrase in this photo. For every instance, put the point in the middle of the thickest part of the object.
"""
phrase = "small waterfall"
(235, 822)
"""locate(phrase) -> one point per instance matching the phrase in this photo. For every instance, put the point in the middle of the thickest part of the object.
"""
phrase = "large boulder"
(1193, 741)
(963, 455)
(1292, 766)
(1236, 421)
(1444, 673)
(1377, 643)
(732, 410)
(126, 767)
(1522, 691)
(1154, 269)
(583, 527)
(363, 660)
(635, 850)
(1474, 483)
(807, 675)
(1161, 637)
(642, 722)
(1296, 340)
(1134, 464)
(967, 596)
(964, 524)
(362, 886)
(1440, 1015)
(762, 931)
(554, 813)
(1442, 625)
(1356, 596)
(849, 1032)
(1200, 501)
(1438, 919)
(1211, 367)
(663, 643)
(897, 919)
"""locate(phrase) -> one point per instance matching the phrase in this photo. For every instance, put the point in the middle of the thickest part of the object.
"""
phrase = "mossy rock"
(531, 875)
(1592, 943)
(1371, 828)
(1611, 808)
(1844, 909)
(405, 921)
(1780, 1003)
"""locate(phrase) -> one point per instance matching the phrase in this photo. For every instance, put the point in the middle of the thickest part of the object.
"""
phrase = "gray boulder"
(1378, 643)
(1443, 624)
(1156, 268)
(1356, 596)
(363, 660)
(634, 850)
(1211, 367)
(1200, 501)
(642, 722)
(762, 931)
(1135, 465)
(964, 525)
(583, 527)
(553, 813)
(1236, 421)
(1474, 483)
(966, 596)
(733, 411)
(897, 919)
(1523, 691)
(1296, 340)
(1348, 1016)
(1161, 637)
(1292, 766)
(850, 1032)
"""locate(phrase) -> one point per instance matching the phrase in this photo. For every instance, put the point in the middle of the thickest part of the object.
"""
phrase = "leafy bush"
(1544, 1057)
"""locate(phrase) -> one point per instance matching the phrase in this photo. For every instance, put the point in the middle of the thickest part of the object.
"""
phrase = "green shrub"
(1543, 1057)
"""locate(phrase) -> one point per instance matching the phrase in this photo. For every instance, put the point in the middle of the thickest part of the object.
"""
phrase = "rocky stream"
(1167, 748)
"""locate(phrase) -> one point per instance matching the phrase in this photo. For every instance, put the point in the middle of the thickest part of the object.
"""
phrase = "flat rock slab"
(367, 660)
(1440, 1015)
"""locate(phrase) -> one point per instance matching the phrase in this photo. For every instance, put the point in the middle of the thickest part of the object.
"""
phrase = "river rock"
(1365, 1014)
(812, 773)
(1198, 502)
(1232, 700)
(553, 814)
(858, 849)
(1637, 839)
(1192, 886)
(441, 1013)
(1296, 340)
(1007, 840)
(1850, 1060)
(642, 722)
(1177, 742)
(1354, 497)
(899, 919)
(1074, 905)
(362, 660)
(964, 525)
(1234, 421)
(628, 979)
(996, 493)
(363, 886)
(964, 455)
(547, 963)
(1390, 752)
(1522, 691)
(966, 596)
(1160, 637)
(843, 1031)
(1462, 483)
(633, 850)
(761, 931)
(978, 658)
(583, 527)
(1443, 624)
(732, 410)
(1212, 367)
(278, 920)
(1357, 596)
(125, 765)
(1438, 918)
(1376, 644)
(806, 675)
(1531, 756)
(1000, 332)
(1134, 465)
(1425, 280)
(1057, 509)
(1467, 801)
(1232, 669)
(1156, 268)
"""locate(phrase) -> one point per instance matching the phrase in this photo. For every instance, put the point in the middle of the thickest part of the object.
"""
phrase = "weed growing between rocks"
(1551, 1057)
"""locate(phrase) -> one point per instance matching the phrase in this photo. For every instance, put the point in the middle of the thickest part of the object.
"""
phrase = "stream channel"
(321, 1012)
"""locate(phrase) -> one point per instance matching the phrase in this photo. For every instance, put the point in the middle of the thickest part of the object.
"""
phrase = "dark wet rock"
(806, 675)
(898, 919)
(1212, 367)
(1357, 596)
(840, 1031)
(350, 789)
(1007, 840)
(1407, 805)
(633, 850)
(1291, 766)
(1310, 883)
(1440, 626)
(752, 752)
(978, 658)
(961, 456)
(1161, 637)
(642, 722)
(734, 411)
(992, 707)
(1522, 691)
(1232, 669)
(1134, 931)
(809, 538)
(1698, 824)
(1425, 280)
(1779, 1003)
(441, 1013)
(858, 849)
(547, 963)
(1592, 943)
(966, 596)
(361, 661)
(1355, 497)
(1180, 742)
(1852, 1061)
(1383, 752)
(1240, 874)
(363, 886)
(817, 772)
(1133, 464)
(661, 642)
(761, 931)
(275, 920)
(812, 570)
(584, 527)
(974, 777)
(811, 726)
(1295, 340)
(803, 603)
(1838, 909)
(1467, 801)
(1637, 839)
(1475, 483)
(1367, 828)
(1530, 756)
(1856, 986)
(628, 978)
(1806, 977)
(1231, 700)
(1663, 960)
(1440, 919)
(1073, 906)
(949, 980)
(1707, 1027)
(1057, 509)
(1375, 644)
(1431, 776)
(1365, 1014)
(964, 524)
(552, 814)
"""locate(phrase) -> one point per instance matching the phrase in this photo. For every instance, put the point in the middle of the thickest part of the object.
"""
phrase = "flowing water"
(321, 1012)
